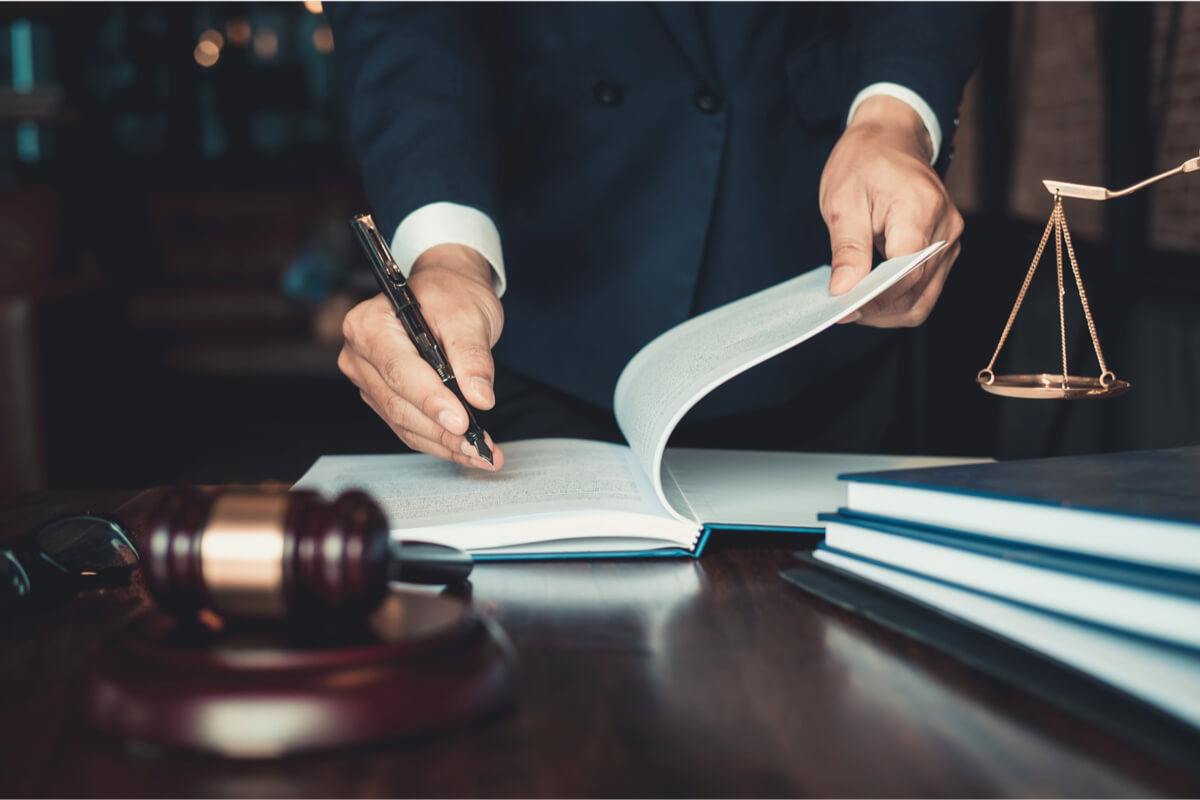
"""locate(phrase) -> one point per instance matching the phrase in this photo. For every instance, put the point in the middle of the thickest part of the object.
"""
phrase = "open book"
(565, 497)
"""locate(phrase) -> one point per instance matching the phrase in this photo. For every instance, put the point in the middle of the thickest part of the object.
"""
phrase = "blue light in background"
(21, 33)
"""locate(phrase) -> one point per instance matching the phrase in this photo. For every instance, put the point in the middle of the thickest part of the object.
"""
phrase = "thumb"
(453, 285)
(473, 367)
(852, 243)
(468, 342)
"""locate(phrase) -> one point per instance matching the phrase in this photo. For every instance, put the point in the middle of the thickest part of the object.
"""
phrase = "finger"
(471, 359)
(849, 221)
(464, 455)
(907, 287)
(895, 297)
(922, 306)
(907, 228)
(906, 231)
(477, 460)
(890, 309)
(379, 340)
(914, 306)
(399, 411)
(466, 325)
(412, 426)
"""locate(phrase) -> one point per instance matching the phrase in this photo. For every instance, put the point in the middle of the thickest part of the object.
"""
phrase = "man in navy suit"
(636, 164)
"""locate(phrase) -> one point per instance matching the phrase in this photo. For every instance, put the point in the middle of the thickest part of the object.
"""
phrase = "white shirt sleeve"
(449, 223)
(906, 95)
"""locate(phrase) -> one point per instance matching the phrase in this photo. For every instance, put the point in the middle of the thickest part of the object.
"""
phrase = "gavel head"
(250, 555)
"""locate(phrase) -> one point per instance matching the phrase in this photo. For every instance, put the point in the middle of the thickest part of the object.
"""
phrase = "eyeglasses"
(66, 556)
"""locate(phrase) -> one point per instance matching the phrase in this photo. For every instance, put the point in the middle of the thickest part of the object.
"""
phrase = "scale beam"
(1083, 191)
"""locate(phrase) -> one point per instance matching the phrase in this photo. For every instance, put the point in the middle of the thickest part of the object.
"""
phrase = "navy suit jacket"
(644, 162)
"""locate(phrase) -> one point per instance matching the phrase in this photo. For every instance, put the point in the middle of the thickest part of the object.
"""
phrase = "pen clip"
(377, 249)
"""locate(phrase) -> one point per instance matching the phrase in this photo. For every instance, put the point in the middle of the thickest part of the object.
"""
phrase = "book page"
(1162, 675)
(540, 477)
(771, 489)
(672, 373)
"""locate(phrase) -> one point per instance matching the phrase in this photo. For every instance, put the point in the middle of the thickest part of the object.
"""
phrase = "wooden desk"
(637, 678)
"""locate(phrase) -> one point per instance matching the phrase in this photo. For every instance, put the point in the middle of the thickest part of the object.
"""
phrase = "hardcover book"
(1092, 561)
(1141, 507)
(1138, 599)
(570, 497)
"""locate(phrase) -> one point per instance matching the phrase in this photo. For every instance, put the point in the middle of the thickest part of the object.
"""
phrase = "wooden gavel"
(251, 555)
(312, 671)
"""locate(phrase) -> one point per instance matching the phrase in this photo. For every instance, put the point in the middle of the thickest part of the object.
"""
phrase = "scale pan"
(1048, 385)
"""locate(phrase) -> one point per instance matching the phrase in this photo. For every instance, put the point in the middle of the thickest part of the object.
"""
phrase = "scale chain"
(1062, 235)
(1037, 257)
(1062, 318)
(1041, 385)
(1087, 312)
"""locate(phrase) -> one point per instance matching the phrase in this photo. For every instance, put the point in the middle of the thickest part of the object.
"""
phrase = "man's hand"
(454, 286)
(879, 191)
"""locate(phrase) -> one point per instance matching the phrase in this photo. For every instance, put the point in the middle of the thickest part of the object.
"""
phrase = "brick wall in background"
(1175, 203)
(1058, 105)
(1060, 112)
(962, 178)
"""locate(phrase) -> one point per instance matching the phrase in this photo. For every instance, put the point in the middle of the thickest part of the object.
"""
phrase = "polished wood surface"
(423, 664)
(636, 678)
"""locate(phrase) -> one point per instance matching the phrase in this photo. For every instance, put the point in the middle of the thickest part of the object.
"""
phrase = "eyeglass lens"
(14, 581)
(84, 545)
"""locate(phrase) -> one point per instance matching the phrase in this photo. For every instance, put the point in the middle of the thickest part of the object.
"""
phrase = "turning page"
(668, 376)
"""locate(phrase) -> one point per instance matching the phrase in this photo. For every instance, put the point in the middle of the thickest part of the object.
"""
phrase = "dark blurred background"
(175, 185)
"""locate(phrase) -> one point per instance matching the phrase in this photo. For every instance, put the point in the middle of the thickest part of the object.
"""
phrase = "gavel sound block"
(283, 637)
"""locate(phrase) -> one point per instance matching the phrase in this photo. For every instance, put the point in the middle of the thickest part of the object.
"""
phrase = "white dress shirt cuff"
(449, 223)
(906, 95)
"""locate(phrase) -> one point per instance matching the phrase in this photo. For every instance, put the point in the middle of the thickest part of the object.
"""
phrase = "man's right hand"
(454, 286)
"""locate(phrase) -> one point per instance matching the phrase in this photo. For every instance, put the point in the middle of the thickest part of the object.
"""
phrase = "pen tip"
(484, 451)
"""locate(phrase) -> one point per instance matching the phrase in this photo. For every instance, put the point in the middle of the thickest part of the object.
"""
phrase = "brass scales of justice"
(1053, 385)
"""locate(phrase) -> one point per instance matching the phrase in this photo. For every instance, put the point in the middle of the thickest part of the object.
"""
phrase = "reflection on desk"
(636, 677)
(603, 603)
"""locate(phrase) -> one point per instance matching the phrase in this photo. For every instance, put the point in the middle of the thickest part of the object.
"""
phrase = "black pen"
(408, 311)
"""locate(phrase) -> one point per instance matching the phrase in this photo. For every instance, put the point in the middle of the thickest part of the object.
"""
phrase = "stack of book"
(1092, 561)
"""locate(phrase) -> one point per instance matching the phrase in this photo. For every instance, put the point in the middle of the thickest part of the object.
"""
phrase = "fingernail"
(484, 387)
(854, 317)
(450, 420)
(467, 449)
(839, 280)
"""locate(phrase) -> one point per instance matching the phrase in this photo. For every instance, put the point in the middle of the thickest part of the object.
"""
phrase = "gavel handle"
(426, 562)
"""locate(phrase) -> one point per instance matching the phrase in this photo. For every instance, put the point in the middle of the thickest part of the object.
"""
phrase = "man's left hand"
(878, 191)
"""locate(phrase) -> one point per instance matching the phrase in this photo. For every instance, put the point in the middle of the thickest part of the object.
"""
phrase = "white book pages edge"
(672, 373)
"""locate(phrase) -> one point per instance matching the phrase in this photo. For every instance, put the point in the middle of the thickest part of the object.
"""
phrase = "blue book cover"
(1138, 507)
(1106, 570)
(1154, 484)
(1140, 600)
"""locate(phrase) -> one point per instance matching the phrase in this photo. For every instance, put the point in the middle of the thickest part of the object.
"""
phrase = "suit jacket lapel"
(683, 22)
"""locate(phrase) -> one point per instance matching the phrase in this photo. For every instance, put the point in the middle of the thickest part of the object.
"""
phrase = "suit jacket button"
(707, 100)
(608, 93)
